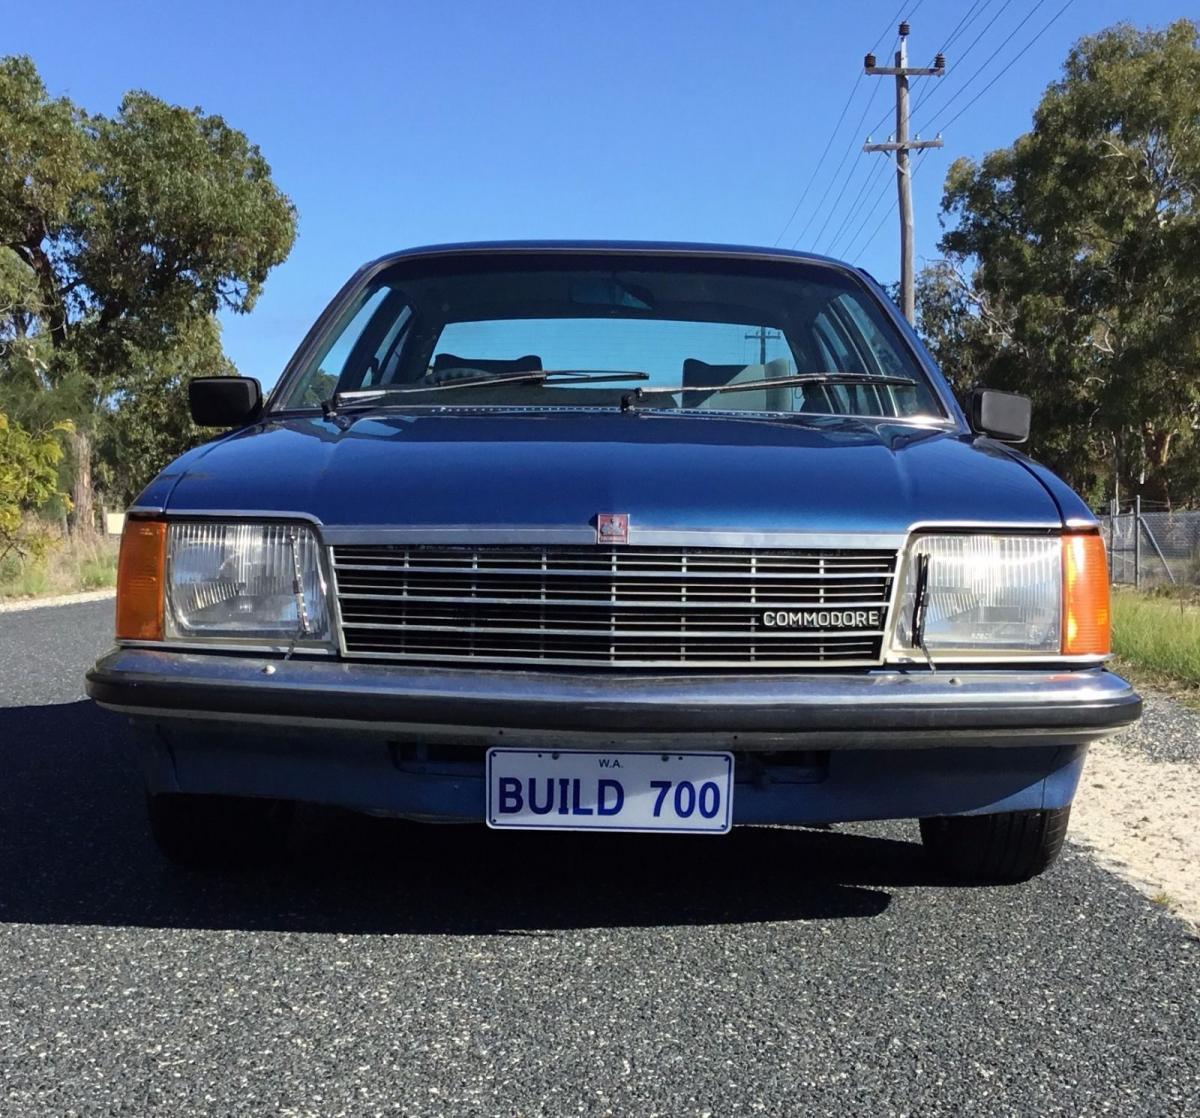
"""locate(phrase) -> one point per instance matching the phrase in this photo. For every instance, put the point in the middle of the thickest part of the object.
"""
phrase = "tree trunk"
(1158, 453)
(83, 499)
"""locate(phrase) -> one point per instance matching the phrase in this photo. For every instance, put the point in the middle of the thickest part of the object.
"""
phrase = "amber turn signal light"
(140, 581)
(1086, 616)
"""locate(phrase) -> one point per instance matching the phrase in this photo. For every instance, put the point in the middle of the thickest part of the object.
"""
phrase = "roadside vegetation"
(1156, 637)
(66, 565)
(122, 237)
(1070, 273)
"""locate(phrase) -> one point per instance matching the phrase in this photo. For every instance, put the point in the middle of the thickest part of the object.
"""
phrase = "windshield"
(708, 330)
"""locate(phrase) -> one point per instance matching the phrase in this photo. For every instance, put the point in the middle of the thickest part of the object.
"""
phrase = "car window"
(697, 327)
(657, 347)
(390, 349)
(868, 331)
(332, 363)
(836, 345)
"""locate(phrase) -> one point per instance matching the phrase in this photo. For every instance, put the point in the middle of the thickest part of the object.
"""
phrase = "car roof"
(613, 248)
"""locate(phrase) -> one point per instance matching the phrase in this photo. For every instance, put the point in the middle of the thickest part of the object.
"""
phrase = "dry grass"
(69, 565)
(1157, 639)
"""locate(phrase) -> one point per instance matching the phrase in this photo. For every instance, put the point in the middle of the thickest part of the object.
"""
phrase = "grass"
(1157, 638)
(69, 565)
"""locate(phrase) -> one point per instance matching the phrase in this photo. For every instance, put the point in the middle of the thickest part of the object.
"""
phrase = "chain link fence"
(1146, 548)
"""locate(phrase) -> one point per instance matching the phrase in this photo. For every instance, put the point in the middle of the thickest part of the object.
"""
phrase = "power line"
(875, 233)
(1011, 62)
(868, 181)
(969, 16)
(856, 246)
(966, 51)
(986, 27)
(853, 240)
(855, 253)
(820, 160)
(925, 93)
(880, 197)
(849, 148)
(883, 220)
(843, 233)
(855, 237)
(959, 29)
(812, 216)
(990, 59)
(833, 135)
(900, 150)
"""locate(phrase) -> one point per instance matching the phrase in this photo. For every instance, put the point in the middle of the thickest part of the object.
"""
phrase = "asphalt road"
(387, 968)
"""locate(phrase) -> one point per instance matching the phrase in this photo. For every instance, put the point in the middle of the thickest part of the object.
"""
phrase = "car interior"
(639, 328)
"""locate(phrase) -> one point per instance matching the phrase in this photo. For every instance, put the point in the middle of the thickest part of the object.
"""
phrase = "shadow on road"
(74, 850)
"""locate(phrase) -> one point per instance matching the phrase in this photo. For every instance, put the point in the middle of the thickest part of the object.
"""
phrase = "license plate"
(574, 790)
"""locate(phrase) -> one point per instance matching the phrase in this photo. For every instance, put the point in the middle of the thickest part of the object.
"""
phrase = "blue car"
(613, 536)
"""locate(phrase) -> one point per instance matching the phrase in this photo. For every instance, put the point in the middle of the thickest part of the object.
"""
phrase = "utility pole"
(901, 146)
(763, 335)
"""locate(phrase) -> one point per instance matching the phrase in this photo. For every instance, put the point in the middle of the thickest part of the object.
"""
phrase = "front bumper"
(814, 748)
(824, 711)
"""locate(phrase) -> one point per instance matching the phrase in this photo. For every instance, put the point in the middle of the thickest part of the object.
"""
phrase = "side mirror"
(1004, 416)
(224, 401)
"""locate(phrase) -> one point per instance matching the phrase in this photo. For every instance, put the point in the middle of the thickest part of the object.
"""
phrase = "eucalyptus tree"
(119, 236)
(1072, 267)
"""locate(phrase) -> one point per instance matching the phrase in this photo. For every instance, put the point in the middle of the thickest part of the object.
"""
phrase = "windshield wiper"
(628, 400)
(532, 376)
(921, 607)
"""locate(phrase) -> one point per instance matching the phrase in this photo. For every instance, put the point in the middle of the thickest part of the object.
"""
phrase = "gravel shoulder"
(19, 605)
(1138, 805)
(1168, 730)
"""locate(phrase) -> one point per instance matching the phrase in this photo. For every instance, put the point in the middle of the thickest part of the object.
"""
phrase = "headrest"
(700, 374)
(529, 364)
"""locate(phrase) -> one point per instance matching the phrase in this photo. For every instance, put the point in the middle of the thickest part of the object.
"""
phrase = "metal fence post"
(1154, 544)
(1110, 541)
(1137, 541)
(1173, 538)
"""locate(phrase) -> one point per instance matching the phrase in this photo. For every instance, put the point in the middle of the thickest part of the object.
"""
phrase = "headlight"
(984, 595)
(247, 582)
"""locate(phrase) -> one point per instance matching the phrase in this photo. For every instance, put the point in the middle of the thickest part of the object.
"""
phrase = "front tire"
(1008, 847)
(206, 831)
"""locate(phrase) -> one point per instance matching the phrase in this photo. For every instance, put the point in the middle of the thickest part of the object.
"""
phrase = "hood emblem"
(612, 527)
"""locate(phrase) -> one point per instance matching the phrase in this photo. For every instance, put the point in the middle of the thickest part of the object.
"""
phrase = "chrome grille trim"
(613, 606)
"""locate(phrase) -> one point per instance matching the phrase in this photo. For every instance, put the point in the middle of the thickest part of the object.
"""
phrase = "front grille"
(626, 606)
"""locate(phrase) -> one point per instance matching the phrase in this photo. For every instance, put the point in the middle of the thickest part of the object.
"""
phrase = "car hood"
(717, 472)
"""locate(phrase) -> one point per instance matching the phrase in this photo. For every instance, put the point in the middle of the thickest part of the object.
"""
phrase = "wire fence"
(1147, 548)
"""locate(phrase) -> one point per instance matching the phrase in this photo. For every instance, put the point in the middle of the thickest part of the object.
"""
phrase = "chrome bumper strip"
(869, 709)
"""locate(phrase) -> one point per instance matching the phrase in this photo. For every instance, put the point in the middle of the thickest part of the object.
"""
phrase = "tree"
(28, 478)
(149, 423)
(1072, 266)
(119, 238)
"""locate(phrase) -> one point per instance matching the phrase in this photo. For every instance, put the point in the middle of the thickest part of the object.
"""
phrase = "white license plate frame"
(569, 793)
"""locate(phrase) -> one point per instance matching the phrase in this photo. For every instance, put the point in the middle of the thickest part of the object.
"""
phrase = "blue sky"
(393, 124)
